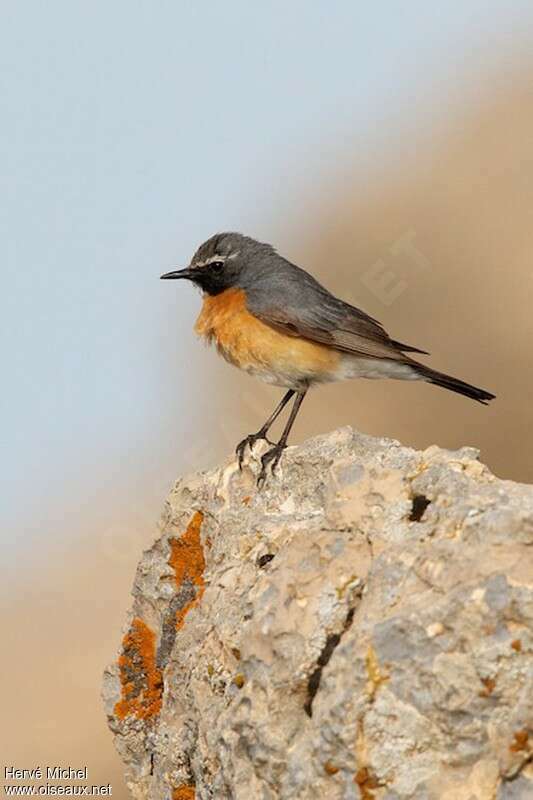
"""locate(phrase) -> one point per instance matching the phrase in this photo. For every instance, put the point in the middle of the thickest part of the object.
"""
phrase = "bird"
(276, 322)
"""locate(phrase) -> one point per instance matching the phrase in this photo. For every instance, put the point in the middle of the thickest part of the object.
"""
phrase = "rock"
(360, 628)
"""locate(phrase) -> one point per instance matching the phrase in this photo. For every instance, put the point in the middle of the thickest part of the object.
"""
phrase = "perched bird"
(274, 320)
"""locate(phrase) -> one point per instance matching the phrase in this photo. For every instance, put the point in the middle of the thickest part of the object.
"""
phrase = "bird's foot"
(249, 441)
(270, 459)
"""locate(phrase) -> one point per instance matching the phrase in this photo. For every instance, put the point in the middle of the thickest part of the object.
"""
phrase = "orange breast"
(253, 346)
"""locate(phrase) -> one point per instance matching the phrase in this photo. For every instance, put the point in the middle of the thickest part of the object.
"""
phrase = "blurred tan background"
(408, 191)
(452, 224)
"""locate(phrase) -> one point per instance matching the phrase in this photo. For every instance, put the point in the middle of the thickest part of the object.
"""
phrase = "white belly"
(354, 367)
(348, 368)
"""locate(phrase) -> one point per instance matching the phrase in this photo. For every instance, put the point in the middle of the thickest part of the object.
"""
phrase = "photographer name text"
(48, 773)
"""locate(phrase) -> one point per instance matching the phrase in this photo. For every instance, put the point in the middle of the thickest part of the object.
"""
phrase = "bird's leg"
(250, 440)
(272, 456)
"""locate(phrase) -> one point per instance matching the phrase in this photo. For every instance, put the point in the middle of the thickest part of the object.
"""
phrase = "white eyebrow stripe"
(214, 258)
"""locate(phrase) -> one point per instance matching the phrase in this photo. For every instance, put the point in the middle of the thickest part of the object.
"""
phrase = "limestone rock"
(360, 628)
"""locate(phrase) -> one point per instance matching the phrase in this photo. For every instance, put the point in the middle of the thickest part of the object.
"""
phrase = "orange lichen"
(238, 680)
(246, 500)
(141, 680)
(188, 562)
(489, 684)
(366, 783)
(330, 769)
(184, 792)
(520, 741)
(186, 553)
(516, 644)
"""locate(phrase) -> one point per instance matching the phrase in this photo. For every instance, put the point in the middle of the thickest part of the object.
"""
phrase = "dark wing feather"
(291, 301)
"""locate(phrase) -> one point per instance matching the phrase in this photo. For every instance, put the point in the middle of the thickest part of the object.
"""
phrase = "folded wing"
(299, 306)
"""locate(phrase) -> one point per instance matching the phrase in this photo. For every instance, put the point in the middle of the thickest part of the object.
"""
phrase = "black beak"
(179, 273)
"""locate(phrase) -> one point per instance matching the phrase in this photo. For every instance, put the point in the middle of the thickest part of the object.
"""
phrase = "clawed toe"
(241, 449)
(249, 441)
(269, 459)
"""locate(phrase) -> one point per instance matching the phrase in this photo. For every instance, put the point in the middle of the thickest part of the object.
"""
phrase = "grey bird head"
(224, 261)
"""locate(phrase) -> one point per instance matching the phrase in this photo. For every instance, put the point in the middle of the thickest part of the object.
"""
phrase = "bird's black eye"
(216, 266)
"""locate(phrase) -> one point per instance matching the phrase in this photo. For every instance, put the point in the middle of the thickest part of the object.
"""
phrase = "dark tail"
(454, 384)
(407, 348)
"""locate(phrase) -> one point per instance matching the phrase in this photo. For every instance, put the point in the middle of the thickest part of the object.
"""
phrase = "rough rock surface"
(360, 628)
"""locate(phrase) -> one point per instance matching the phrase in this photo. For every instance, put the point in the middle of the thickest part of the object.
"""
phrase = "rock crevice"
(360, 628)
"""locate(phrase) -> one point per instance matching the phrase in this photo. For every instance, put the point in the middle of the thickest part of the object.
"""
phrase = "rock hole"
(419, 504)
(264, 560)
